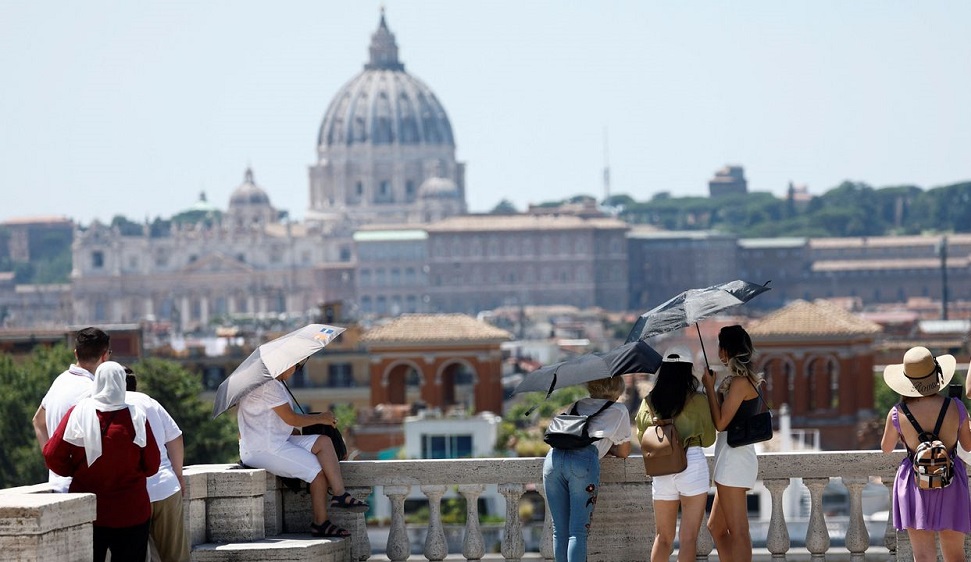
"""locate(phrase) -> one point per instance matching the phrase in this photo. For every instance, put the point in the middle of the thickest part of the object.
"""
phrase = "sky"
(134, 108)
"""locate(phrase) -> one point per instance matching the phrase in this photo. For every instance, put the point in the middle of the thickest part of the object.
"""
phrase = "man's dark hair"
(131, 383)
(90, 344)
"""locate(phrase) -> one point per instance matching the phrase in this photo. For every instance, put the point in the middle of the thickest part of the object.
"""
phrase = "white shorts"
(692, 481)
(292, 460)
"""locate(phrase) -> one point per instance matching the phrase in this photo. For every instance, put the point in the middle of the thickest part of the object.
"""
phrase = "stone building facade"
(818, 359)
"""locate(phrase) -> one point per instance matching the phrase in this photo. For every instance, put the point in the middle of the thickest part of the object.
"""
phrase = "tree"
(525, 434)
(178, 391)
(504, 207)
(24, 385)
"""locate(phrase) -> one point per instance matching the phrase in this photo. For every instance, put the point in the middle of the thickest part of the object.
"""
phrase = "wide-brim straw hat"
(921, 374)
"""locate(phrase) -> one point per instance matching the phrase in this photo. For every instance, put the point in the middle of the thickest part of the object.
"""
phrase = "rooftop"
(819, 318)
(441, 328)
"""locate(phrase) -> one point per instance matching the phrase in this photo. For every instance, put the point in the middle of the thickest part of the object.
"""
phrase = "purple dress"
(944, 509)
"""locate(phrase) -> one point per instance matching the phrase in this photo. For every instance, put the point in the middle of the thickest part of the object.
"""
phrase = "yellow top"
(694, 423)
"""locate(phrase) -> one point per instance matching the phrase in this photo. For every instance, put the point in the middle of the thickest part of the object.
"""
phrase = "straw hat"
(921, 374)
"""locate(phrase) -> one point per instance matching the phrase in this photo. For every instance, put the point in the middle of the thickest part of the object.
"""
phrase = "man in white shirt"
(91, 349)
(167, 528)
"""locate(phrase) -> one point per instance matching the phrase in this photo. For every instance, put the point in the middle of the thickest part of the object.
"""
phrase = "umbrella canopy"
(270, 360)
(693, 305)
(635, 357)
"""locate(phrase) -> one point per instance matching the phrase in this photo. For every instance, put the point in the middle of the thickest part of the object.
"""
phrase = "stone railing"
(227, 506)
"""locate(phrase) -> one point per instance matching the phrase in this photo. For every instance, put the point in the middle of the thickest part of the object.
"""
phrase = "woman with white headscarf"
(109, 450)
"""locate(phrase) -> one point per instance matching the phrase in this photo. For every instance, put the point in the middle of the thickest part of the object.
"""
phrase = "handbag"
(753, 429)
(569, 431)
(662, 448)
(330, 431)
(322, 429)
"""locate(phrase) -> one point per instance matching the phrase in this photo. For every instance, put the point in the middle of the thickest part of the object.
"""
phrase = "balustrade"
(622, 529)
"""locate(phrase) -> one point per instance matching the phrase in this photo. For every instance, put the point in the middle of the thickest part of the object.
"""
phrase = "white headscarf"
(84, 428)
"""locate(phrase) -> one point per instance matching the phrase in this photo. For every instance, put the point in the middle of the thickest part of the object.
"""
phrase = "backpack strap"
(940, 418)
(913, 421)
(606, 405)
(574, 412)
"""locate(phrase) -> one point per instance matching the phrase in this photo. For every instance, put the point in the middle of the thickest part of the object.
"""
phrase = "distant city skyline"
(134, 109)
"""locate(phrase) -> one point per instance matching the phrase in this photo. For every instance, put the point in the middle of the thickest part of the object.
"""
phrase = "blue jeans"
(571, 479)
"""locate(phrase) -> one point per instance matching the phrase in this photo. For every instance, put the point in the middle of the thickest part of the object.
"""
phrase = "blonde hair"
(609, 388)
(737, 344)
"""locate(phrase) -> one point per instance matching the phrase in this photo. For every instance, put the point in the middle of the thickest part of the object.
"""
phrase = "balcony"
(235, 514)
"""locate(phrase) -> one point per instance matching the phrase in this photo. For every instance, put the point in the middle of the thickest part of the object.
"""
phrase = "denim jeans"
(571, 479)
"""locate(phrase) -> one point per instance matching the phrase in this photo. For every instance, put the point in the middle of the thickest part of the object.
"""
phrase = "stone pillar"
(399, 547)
(435, 546)
(817, 535)
(513, 546)
(777, 541)
(473, 547)
(857, 537)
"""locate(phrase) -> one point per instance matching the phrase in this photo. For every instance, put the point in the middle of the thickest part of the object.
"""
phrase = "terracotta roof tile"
(818, 318)
(416, 328)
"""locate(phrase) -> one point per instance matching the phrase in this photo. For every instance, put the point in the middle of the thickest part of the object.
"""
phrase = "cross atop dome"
(384, 49)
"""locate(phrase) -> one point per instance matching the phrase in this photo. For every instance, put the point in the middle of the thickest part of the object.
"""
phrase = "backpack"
(662, 448)
(569, 431)
(931, 460)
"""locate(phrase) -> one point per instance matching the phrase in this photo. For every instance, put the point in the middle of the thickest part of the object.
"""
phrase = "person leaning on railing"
(675, 395)
(736, 468)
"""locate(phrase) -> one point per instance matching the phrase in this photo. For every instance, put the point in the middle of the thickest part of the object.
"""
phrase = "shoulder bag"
(753, 429)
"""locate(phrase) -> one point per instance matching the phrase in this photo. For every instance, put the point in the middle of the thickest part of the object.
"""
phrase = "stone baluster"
(435, 546)
(857, 537)
(777, 539)
(546, 542)
(399, 547)
(513, 546)
(890, 535)
(705, 543)
(817, 535)
(473, 547)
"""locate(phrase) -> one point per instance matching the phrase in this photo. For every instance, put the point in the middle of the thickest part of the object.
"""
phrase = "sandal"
(348, 502)
(328, 530)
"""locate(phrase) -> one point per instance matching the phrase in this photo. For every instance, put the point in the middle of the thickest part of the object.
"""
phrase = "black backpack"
(569, 431)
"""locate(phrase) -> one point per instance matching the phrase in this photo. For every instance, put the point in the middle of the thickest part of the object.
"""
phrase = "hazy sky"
(134, 107)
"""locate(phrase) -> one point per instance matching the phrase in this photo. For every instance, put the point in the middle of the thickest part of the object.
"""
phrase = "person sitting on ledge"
(267, 440)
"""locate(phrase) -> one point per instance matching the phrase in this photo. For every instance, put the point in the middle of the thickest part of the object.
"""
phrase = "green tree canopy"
(23, 384)
(178, 391)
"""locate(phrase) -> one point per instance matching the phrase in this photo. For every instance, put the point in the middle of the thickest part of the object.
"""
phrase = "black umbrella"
(634, 357)
(692, 306)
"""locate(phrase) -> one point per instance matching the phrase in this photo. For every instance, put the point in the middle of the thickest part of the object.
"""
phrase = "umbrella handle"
(707, 366)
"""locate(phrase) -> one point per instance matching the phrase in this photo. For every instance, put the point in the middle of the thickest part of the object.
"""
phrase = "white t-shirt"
(260, 428)
(612, 425)
(164, 483)
(65, 392)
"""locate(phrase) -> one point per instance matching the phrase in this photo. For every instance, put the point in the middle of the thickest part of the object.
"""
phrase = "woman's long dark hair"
(675, 383)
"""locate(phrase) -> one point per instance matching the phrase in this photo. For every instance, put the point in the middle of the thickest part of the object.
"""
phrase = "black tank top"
(746, 409)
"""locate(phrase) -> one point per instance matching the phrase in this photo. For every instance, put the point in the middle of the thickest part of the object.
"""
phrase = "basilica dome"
(384, 105)
(248, 193)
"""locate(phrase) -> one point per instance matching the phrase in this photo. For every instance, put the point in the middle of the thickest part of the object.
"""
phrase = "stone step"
(280, 548)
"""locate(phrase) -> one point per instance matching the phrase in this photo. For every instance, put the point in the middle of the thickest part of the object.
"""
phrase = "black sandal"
(328, 530)
(348, 502)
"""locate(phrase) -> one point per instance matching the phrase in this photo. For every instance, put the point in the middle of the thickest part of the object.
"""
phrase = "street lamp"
(942, 251)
